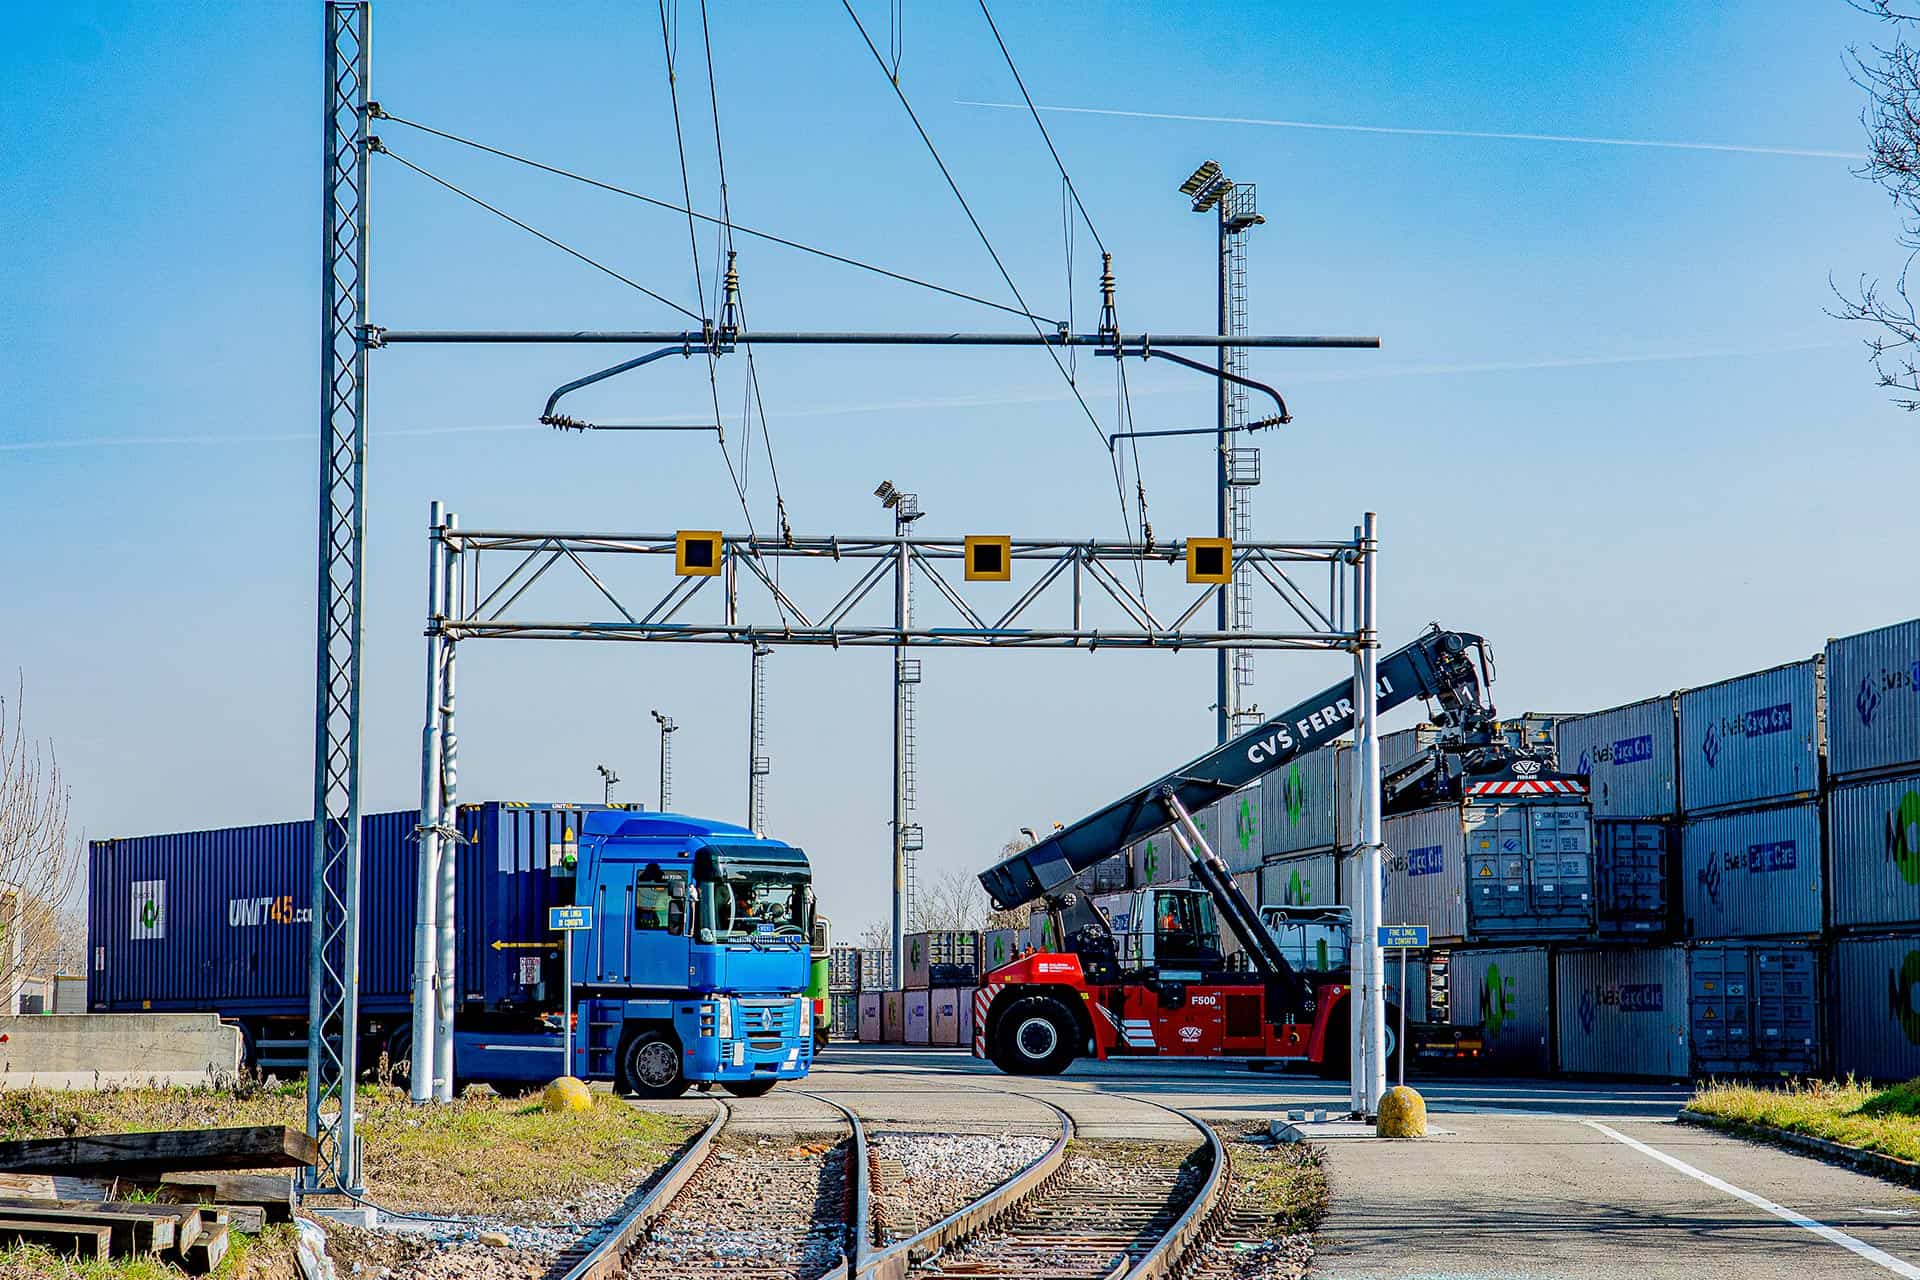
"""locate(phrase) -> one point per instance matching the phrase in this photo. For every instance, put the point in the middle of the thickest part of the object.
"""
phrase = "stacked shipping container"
(1873, 843)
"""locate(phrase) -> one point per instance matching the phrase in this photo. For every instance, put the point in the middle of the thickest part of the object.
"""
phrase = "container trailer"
(701, 942)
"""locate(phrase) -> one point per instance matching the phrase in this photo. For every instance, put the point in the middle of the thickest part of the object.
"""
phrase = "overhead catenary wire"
(734, 227)
(693, 244)
(757, 401)
(985, 241)
(382, 149)
(1044, 135)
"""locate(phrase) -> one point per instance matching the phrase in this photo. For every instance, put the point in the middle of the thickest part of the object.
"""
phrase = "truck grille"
(768, 1024)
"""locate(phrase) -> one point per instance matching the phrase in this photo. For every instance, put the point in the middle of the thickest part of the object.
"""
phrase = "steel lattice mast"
(334, 956)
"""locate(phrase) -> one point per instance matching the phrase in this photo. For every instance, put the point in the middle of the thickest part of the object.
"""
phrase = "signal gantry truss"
(838, 591)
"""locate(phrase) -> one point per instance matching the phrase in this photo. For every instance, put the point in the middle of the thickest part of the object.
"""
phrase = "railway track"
(801, 1207)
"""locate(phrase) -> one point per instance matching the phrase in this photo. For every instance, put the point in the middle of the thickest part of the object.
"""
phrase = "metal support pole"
(1404, 1000)
(566, 1001)
(447, 917)
(426, 942)
(902, 610)
(1369, 1020)
(1223, 516)
(333, 956)
(757, 763)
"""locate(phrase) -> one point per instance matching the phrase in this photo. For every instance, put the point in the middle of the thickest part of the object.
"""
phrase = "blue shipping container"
(1752, 740)
(1873, 681)
(218, 920)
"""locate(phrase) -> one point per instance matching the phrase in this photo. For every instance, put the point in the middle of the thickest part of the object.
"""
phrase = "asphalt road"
(1529, 1180)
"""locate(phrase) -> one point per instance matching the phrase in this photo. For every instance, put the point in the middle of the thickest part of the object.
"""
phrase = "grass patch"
(1859, 1115)
(1284, 1182)
(267, 1256)
(480, 1154)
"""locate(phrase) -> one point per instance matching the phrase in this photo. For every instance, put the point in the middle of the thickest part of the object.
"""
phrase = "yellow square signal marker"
(989, 559)
(697, 553)
(1210, 560)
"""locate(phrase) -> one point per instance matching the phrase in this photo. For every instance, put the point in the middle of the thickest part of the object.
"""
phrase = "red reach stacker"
(1162, 985)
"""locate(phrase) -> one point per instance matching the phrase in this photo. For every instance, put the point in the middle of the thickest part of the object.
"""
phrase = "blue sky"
(1610, 425)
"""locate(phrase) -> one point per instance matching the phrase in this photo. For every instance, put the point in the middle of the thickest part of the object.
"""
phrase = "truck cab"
(697, 967)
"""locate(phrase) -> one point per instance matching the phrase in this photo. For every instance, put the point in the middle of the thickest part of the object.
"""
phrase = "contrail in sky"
(1656, 143)
(1038, 395)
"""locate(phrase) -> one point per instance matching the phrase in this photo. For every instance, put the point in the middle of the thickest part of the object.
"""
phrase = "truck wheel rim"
(655, 1064)
(1037, 1038)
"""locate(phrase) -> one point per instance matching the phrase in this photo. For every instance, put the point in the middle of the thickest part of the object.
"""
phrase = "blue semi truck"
(694, 971)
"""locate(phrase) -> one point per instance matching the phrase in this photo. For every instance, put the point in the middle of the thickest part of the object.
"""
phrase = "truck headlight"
(723, 1018)
(806, 1017)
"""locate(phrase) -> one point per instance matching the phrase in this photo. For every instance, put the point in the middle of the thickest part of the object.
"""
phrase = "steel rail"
(854, 1262)
(604, 1261)
(896, 1260)
(1164, 1259)
(1145, 342)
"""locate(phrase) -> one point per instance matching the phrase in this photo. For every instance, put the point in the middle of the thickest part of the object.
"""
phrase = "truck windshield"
(759, 903)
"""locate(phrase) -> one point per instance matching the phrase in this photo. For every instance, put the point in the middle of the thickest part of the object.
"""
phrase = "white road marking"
(1877, 1256)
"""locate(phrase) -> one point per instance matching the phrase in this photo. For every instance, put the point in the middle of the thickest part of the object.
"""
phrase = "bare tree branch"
(38, 864)
(1889, 75)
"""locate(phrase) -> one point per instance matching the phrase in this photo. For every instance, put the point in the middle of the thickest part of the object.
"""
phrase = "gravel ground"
(926, 1176)
(521, 1243)
(760, 1207)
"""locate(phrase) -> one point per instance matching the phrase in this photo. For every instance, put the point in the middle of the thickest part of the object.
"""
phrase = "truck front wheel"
(1036, 1036)
(650, 1066)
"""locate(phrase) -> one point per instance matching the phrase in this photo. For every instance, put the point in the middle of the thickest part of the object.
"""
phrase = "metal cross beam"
(839, 590)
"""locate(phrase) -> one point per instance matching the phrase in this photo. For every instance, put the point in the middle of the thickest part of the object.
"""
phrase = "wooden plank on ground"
(206, 1252)
(47, 1186)
(273, 1193)
(131, 1232)
(131, 1154)
(69, 1239)
(250, 1218)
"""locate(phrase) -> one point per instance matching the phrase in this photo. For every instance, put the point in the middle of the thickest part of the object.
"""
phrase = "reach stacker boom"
(1164, 987)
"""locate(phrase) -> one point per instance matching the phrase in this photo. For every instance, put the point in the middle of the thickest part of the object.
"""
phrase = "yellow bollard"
(1403, 1114)
(566, 1094)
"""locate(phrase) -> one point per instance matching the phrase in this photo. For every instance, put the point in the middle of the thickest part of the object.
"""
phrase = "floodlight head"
(887, 494)
(1205, 174)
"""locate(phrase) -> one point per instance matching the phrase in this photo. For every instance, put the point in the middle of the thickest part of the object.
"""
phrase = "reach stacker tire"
(649, 1066)
(1338, 1062)
(1036, 1036)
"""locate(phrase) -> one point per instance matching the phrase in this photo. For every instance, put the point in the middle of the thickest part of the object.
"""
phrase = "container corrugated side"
(1873, 846)
(1874, 1020)
(1305, 806)
(515, 861)
(1424, 872)
(918, 1017)
(218, 920)
(1301, 880)
(1235, 829)
(1752, 740)
(1000, 946)
(1507, 993)
(1400, 747)
(1418, 1010)
(1627, 755)
(1873, 686)
(1157, 861)
(1755, 874)
(1633, 866)
(1755, 1008)
(1621, 1011)
(870, 1025)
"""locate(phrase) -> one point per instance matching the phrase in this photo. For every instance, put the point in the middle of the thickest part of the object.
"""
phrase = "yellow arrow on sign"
(498, 945)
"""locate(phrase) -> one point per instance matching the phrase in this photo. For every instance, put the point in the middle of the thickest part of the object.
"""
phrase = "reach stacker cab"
(697, 967)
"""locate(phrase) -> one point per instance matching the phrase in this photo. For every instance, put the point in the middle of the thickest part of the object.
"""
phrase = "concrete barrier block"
(65, 1050)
